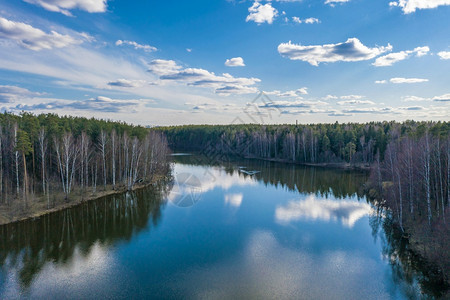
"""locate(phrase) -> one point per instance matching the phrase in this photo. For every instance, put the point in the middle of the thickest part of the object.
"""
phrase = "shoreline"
(76, 201)
(338, 165)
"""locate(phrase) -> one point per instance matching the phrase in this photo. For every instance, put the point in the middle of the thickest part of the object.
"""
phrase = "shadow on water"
(30, 244)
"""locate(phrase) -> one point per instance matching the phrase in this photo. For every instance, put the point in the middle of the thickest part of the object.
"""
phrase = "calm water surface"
(287, 232)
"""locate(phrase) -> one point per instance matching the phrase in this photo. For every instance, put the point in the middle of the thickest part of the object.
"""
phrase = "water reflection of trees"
(320, 181)
(408, 269)
(30, 244)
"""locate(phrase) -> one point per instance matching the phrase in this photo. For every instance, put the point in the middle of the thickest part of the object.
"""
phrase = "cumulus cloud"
(306, 21)
(146, 48)
(63, 6)
(33, 38)
(260, 13)
(163, 67)
(407, 80)
(235, 62)
(391, 58)
(126, 83)
(169, 70)
(351, 50)
(444, 54)
(10, 93)
(410, 6)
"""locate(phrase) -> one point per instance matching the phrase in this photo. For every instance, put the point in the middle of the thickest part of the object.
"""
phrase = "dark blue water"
(286, 232)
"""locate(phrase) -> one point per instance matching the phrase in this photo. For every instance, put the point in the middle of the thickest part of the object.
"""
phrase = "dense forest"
(47, 155)
(409, 163)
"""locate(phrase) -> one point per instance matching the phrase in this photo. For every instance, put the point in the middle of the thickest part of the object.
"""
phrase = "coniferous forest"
(47, 160)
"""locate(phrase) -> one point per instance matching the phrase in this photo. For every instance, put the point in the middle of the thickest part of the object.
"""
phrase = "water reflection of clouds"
(234, 199)
(269, 270)
(209, 179)
(81, 272)
(346, 211)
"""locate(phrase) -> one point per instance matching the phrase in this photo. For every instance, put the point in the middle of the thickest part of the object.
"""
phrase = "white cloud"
(236, 89)
(332, 2)
(352, 97)
(294, 93)
(311, 20)
(126, 83)
(351, 50)
(330, 97)
(146, 48)
(380, 81)
(407, 80)
(168, 70)
(100, 103)
(189, 50)
(306, 21)
(443, 98)
(410, 6)
(297, 20)
(391, 58)
(33, 38)
(63, 6)
(10, 93)
(370, 110)
(354, 102)
(163, 67)
(235, 62)
(444, 54)
(413, 99)
(260, 13)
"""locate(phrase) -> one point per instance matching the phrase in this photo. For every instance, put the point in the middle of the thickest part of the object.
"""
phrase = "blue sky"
(194, 62)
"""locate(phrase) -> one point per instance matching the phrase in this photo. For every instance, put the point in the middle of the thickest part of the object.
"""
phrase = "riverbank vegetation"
(47, 161)
(409, 163)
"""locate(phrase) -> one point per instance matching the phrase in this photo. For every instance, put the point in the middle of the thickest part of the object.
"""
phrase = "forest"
(45, 159)
(409, 166)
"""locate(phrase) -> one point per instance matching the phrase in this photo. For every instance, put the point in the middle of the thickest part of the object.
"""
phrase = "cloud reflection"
(346, 211)
(208, 179)
(234, 199)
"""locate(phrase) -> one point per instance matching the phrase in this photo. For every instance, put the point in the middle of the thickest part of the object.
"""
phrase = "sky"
(226, 62)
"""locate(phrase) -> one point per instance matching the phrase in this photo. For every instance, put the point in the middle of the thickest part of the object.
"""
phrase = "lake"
(241, 229)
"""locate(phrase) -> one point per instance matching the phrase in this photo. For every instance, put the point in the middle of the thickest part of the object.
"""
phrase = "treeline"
(313, 143)
(64, 153)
